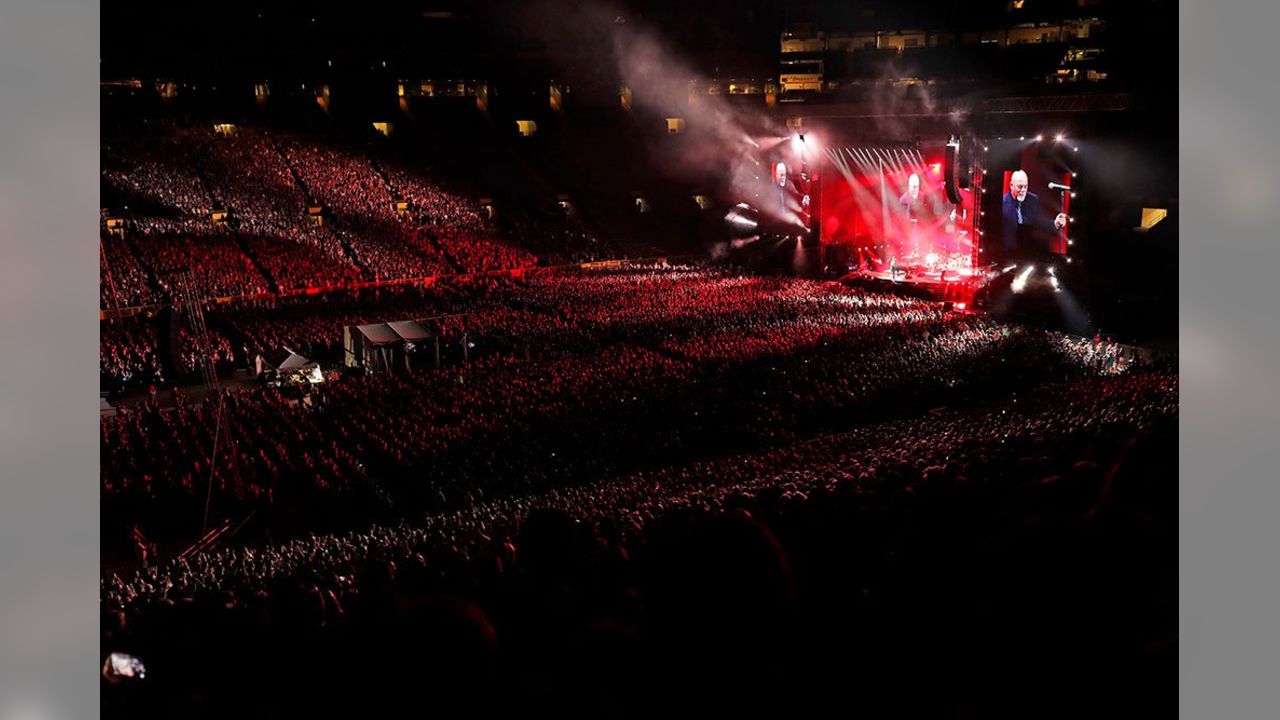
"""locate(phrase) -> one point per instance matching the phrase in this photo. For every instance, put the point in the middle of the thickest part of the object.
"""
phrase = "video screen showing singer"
(922, 215)
(1026, 230)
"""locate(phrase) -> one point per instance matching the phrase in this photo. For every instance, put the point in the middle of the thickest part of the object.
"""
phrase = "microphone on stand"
(1064, 189)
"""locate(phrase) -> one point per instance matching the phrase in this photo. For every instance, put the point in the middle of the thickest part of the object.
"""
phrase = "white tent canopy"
(378, 333)
(410, 331)
(383, 346)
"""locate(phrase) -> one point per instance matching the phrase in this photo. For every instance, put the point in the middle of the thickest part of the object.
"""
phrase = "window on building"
(1152, 217)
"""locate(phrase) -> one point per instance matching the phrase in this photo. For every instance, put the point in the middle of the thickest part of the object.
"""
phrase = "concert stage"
(953, 286)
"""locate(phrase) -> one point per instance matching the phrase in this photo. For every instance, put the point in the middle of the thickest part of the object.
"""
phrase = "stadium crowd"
(1019, 534)
(581, 372)
(129, 354)
(363, 210)
(622, 491)
(168, 187)
(456, 224)
(269, 210)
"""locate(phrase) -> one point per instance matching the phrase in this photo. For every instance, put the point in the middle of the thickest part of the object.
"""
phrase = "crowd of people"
(557, 238)
(455, 223)
(192, 355)
(270, 212)
(168, 212)
(596, 360)
(156, 176)
(553, 311)
(620, 491)
(157, 463)
(209, 259)
(363, 210)
(169, 188)
(1103, 355)
(1024, 543)
(124, 280)
(137, 352)
(129, 354)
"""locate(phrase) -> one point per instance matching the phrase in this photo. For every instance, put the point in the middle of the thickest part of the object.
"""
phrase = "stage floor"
(957, 287)
(918, 277)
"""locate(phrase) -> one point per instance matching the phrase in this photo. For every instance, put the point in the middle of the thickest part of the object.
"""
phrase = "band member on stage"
(1022, 212)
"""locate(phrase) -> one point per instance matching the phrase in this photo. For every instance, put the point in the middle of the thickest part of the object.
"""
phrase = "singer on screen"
(921, 213)
(1022, 215)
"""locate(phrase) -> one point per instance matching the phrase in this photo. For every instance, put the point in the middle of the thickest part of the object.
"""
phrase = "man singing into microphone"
(1022, 213)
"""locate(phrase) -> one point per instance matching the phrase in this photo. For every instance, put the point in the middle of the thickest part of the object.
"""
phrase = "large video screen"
(1029, 183)
(889, 206)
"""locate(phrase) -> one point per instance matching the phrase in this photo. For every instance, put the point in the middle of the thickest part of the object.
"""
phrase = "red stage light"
(936, 168)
